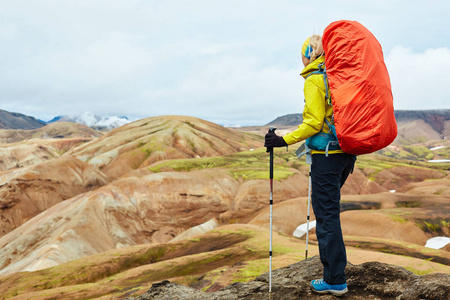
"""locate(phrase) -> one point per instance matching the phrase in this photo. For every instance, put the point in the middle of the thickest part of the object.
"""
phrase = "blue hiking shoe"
(321, 287)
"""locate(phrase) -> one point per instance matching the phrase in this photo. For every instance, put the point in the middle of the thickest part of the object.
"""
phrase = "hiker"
(329, 170)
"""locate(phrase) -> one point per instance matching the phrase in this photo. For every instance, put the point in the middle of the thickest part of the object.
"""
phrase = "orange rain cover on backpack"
(360, 88)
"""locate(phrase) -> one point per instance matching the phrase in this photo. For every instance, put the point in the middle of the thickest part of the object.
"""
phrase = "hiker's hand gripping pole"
(270, 150)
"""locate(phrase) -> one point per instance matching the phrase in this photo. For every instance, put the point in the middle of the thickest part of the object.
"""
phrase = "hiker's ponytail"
(316, 45)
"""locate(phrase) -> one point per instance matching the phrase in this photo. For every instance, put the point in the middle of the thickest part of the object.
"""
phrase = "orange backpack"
(360, 88)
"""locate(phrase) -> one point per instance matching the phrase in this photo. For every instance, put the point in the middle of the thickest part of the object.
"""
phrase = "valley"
(88, 214)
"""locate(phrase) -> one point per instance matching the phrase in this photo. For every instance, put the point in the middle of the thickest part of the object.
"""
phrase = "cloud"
(225, 61)
(227, 88)
(114, 58)
(419, 79)
(8, 31)
(90, 119)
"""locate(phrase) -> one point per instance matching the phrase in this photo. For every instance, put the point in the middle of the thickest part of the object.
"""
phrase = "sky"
(235, 63)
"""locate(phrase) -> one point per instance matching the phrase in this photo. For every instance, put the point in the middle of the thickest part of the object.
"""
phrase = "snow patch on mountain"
(94, 121)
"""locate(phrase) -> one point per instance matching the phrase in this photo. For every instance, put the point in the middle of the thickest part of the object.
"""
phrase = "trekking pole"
(307, 215)
(270, 150)
(305, 150)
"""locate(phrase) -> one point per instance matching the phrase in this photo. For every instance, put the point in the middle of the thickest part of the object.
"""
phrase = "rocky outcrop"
(371, 280)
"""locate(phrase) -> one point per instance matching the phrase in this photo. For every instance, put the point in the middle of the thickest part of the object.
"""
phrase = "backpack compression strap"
(323, 70)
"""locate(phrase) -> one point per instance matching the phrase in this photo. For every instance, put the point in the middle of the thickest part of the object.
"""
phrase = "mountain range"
(10, 120)
(413, 125)
(93, 121)
(89, 214)
(432, 124)
(18, 121)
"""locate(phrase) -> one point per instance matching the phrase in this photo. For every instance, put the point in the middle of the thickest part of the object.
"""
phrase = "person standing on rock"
(329, 169)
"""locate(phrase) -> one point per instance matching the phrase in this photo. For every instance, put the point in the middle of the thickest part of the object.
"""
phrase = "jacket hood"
(313, 66)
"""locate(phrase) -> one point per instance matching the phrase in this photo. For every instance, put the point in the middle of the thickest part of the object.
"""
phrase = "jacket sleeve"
(313, 112)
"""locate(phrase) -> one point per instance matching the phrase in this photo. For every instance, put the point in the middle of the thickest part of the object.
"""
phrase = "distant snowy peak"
(93, 120)
(112, 122)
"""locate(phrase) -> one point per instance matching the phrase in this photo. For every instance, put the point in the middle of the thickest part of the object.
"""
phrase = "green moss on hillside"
(246, 165)
(443, 152)
(251, 270)
(437, 226)
(408, 204)
(421, 152)
(114, 264)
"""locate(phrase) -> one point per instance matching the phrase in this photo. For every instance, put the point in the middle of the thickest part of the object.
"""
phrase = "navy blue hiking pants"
(328, 175)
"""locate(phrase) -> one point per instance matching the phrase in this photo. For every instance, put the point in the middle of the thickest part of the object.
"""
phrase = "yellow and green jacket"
(315, 109)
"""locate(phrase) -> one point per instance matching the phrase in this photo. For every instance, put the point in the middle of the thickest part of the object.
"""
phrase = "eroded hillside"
(144, 142)
(106, 209)
(207, 262)
(52, 131)
(28, 191)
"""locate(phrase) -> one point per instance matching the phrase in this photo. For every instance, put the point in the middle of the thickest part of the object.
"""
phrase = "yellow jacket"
(315, 109)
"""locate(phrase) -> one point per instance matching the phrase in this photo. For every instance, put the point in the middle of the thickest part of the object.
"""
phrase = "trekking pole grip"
(271, 130)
